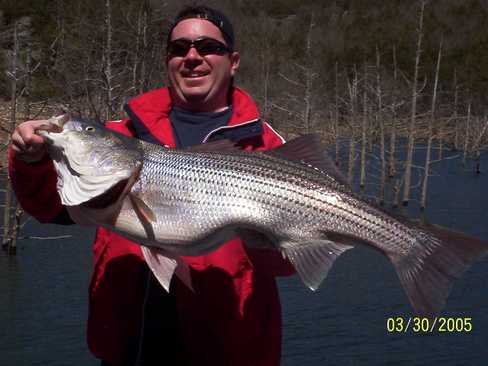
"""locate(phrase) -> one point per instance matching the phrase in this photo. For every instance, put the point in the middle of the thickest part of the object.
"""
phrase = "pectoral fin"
(142, 208)
(144, 214)
(313, 260)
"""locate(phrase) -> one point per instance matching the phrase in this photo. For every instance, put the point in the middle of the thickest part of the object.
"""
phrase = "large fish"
(188, 202)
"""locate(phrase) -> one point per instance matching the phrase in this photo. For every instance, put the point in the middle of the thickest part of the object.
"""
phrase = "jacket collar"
(150, 111)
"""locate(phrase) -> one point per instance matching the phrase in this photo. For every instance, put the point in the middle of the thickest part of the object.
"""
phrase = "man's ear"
(235, 60)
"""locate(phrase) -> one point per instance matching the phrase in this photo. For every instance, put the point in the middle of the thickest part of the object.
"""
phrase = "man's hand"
(29, 146)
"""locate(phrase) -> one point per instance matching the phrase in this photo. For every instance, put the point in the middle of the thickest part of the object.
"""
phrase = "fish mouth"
(53, 125)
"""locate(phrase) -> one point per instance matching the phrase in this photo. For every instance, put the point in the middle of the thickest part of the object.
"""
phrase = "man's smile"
(194, 74)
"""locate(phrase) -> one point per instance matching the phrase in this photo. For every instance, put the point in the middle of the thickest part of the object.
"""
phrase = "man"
(233, 315)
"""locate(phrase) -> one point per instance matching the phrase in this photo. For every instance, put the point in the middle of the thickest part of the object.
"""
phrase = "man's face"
(200, 82)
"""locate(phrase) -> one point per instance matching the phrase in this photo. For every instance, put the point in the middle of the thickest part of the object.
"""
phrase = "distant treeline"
(94, 54)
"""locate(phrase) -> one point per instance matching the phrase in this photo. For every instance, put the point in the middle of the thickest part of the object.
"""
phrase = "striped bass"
(186, 202)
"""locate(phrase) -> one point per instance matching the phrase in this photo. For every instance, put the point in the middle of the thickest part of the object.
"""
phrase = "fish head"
(89, 158)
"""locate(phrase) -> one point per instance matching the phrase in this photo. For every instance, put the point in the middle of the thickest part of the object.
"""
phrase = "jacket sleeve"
(270, 261)
(34, 185)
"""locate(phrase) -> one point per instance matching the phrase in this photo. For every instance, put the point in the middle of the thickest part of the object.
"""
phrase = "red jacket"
(232, 318)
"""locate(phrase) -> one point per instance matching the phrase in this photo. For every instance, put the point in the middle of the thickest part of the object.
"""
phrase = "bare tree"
(364, 129)
(141, 46)
(455, 112)
(467, 135)
(9, 203)
(415, 95)
(391, 158)
(108, 64)
(430, 134)
(381, 124)
(309, 76)
(147, 55)
(336, 113)
(477, 145)
(299, 103)
(351, 120)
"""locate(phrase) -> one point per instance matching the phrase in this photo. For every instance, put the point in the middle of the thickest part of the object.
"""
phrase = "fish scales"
(284, 195)
(189, 202)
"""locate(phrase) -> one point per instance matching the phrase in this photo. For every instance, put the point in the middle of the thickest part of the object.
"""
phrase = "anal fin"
(164, 266)
(313, 260)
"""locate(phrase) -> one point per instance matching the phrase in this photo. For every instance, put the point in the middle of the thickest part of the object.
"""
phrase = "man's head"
(201, 59)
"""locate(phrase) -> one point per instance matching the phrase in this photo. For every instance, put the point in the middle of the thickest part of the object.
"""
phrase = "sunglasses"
(205, 46)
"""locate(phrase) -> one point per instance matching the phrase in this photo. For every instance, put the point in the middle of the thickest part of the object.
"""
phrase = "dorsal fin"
(309, 150)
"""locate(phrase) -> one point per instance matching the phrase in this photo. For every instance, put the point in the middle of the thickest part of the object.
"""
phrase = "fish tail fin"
(427, 277)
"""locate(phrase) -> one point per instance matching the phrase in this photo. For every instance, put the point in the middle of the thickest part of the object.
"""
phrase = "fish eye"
(89, 128)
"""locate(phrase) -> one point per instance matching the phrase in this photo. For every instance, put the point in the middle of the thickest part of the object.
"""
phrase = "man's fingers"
(18, 142)
(27, 140)
(33, 140)
(28, 145)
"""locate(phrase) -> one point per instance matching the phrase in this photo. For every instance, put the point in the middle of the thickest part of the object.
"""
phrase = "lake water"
(44, 290)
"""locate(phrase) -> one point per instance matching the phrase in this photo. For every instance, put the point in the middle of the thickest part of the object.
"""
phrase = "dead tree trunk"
(9, 196)
(309, 75)
(391, 157)
(396, 192)
(352, 154)
(139, 63)
(440, 124)
(26, 92)
(455, 115)
(143, 66)
(336, 114)
(477, 146)
(109, 75)
(411, 127)
(353, 92)
(466, 135)
(381, 124)
(364, 129)
(430, 137)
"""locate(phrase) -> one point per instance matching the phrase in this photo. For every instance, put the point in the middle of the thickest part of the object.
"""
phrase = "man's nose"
(193, 54)
(192, 58)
